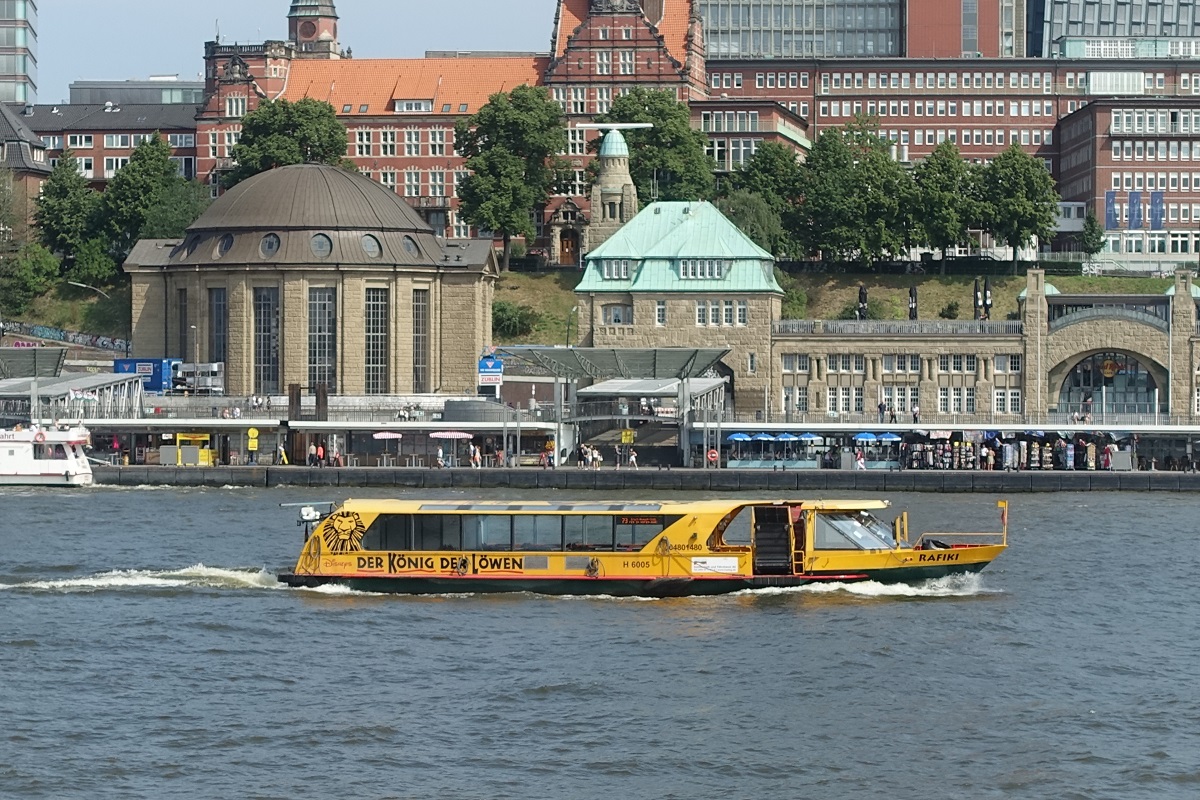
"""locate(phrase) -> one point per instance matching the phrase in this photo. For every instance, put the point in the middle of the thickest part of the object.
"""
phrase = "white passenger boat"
(44, 456)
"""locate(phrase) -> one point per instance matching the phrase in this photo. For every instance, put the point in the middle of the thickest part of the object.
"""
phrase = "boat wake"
(966, 585)
(197, 576)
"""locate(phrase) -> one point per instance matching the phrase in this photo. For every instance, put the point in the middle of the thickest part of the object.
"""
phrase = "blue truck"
(157, 373)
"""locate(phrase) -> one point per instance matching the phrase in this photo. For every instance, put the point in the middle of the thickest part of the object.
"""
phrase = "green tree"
(134, 193)
(511, 146)
(92, 264)
(944, 198)
(754, 217)
(177, 205)
(775, 174)
(831, 217)
(65, 212)
(1091, 238)
(512, 321)
(667, 161)
(280, 133)
(26, 274)
(1019, 199)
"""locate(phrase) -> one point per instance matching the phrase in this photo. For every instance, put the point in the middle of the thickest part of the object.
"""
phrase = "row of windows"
(520, 532)
(116, 141)
(936, 108)
(731, 153)
(899, 399)
(731, 121)
(626, 62)
(703, 268)
(1126, 150)
(1138, 242)
(713, 313)
(1160, 181)
(435, 142)
(1149, 120)
(1175, 212)
(939, 80)
(895, 363)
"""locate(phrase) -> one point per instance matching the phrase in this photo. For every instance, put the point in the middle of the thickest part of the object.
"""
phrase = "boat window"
(635, 532)
(537, 532)
(737, 531)
(588, 533)
(437, 532)
(487, 532)
(850, 532)
(389, 532)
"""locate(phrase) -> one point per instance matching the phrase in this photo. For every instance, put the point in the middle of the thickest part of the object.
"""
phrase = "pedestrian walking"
(916, 412)
(312, 454)
(321, 454)
(860, 461)
(633, 458)
(891, 413)
(882, 408)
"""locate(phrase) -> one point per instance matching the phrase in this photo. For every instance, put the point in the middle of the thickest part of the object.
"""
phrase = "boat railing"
(934, 541)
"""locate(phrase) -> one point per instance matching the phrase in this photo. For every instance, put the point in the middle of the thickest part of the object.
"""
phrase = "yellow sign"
(1109, 368)
(627, 436)
(252, 433)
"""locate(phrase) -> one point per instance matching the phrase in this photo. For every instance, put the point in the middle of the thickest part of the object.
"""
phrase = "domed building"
(312, 275)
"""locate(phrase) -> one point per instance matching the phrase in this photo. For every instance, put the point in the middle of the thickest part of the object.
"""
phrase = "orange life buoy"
(39, 437)
(713, 455)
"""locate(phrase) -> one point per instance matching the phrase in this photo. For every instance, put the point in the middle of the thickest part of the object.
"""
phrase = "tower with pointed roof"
(614, 195)
(312, 27)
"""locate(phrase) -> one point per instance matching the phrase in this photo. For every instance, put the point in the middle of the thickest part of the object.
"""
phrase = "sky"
(129, 39)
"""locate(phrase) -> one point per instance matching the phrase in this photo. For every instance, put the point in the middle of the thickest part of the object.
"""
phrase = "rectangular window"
(387, 143)
(322, 337)
(412, 184)
(362, 143)
(728, 319)
(437, 142)
(235, 107)
(660, 313)
(802, 398)
(266, 340)
(701, 312)
(77, 141)
(743, 312)
(420, 341)
(218, 324)
(1014, 401)
(376, 345)
(604, 65)
(626, 63)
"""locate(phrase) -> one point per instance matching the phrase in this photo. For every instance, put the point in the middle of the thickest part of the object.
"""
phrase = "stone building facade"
(1126, 357)
(682, 275)
(313, 275)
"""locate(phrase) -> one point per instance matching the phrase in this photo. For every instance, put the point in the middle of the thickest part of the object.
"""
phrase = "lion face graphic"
(344, 533)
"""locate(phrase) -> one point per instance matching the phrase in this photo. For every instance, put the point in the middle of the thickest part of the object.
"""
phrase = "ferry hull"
(616, 587)
(78, 479)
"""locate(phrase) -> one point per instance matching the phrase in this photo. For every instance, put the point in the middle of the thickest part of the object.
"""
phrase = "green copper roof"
(663, 235)
(614, 146)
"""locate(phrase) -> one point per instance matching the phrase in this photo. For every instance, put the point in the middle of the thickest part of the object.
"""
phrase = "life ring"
(713, 455)
(39, 437)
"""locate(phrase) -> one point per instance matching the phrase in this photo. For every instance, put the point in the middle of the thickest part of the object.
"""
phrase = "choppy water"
(147, 650)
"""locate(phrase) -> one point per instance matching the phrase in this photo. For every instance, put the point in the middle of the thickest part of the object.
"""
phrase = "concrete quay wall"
(697, 480)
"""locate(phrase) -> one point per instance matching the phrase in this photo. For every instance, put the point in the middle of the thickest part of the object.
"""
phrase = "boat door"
(772, 540)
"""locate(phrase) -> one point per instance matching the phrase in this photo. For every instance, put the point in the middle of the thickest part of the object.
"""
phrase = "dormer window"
(615, 269)
(703, 269)
(413, 106)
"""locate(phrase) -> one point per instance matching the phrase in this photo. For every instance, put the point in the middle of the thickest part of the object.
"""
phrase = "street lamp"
(574, 310)
(107, 296)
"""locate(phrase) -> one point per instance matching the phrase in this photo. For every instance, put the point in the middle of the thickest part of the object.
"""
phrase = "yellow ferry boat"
(667, 549)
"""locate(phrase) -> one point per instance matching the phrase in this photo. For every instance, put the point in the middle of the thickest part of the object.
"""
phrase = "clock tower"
(312, 28)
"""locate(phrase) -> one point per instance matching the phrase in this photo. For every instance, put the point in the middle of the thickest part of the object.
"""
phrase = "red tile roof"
(673, 26)
(377, 82)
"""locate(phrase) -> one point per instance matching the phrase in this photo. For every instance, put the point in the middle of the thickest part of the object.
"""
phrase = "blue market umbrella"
(764, 438)
(787, 437)
(865, 438)
(810, 437)
(738, 437)
(890, 438)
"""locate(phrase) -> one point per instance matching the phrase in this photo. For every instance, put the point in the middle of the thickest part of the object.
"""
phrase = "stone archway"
(1110, 382)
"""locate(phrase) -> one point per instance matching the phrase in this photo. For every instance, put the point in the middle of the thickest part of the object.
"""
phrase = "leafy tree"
(134, 193)
(26, 275)
(177, 205)
(754, 217)
(92, 264)
(511, 321)
(280, 133)
(667, 161)
(1091, 238)
(1019, 197)
(66, 211)
(511, 146)
(944, 200)
(774, 173)
(949, 311)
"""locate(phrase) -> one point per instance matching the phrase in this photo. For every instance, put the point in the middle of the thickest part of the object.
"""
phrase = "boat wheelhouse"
(44, 456)
(622, 549)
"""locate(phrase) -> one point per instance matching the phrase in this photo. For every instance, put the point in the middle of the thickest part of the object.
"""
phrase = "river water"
(147, 649)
